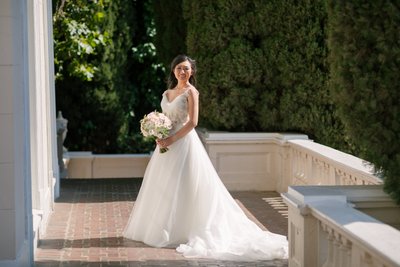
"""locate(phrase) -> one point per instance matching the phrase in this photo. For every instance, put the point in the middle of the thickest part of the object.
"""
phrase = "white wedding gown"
(182, 203)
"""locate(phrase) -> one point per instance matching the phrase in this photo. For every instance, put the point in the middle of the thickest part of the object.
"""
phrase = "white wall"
(15, 201)
(28, 163)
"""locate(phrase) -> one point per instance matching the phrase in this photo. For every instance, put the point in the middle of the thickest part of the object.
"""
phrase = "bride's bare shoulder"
(193, 90)
(166, 92)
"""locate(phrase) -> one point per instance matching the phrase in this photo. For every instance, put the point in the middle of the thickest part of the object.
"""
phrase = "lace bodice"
(176, 110)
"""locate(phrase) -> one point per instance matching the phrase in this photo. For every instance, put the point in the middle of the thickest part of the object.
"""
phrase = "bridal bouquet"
(156, 125)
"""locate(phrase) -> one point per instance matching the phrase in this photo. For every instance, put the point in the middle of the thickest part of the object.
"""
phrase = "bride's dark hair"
(172, 81)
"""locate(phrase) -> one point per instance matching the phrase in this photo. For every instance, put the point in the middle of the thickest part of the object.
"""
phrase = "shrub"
(262, 67)
(365, 62)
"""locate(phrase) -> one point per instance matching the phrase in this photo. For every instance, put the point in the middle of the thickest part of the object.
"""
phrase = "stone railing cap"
(248, 136)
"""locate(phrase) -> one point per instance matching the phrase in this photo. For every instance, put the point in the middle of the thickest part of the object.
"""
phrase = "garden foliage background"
(324, 68)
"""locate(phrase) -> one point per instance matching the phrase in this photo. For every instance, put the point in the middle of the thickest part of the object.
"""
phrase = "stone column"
(15, 188)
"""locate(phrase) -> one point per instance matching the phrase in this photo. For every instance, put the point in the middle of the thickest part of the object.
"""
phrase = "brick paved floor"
(88, 219)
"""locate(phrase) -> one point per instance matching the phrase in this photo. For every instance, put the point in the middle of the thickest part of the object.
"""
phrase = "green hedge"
(170, 38)
(327, 69)
(364, 40)
(262, 67)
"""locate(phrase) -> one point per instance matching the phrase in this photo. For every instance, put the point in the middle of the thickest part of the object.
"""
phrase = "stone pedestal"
(61, 135)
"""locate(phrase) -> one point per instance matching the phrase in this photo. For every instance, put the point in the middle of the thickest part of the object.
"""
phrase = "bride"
(182, 202)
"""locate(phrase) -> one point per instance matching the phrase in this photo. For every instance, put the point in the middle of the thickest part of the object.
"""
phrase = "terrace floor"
(89, 216)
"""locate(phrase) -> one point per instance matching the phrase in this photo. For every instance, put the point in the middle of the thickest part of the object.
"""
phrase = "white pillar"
(45, 174)
(52, 131)
(15, 187)
(28, 157)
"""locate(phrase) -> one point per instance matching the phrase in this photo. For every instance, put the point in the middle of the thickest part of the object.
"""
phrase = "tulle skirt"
(182, 203)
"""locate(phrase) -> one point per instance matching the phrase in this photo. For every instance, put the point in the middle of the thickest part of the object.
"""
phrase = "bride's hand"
(164, 142)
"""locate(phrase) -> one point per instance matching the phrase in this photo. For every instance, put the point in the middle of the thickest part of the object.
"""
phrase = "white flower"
(155, 125)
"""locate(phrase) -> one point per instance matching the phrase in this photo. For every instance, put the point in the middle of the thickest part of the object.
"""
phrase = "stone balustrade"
(340, 216)
(274, 161)
(316, 164)
(326, 229)
(338, 212)
(245, 161)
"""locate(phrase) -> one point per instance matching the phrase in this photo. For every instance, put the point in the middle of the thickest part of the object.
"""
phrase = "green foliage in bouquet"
(365, 63)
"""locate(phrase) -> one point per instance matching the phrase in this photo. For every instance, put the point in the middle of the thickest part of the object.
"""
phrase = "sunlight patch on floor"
(278, 204)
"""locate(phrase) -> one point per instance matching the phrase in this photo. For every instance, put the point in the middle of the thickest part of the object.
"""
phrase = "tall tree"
(262, 67)
(170, 39)
(365, 62)
(107, 75)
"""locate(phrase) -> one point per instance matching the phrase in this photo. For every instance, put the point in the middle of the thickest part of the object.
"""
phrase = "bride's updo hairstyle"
(172, 81)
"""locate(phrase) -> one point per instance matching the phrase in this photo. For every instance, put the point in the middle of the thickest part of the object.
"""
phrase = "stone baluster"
(330, 238)
(345, 252)
(368, 260)
(338, 248)
(298, 167)
(318, 171)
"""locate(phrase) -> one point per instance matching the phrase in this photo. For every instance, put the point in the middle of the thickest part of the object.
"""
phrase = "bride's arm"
(193, 111)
